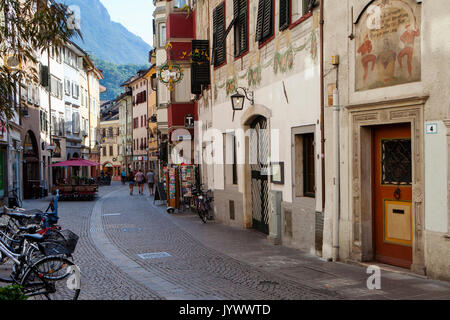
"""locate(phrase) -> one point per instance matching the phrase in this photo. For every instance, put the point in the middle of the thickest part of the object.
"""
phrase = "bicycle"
(45, 277)
(202, 201)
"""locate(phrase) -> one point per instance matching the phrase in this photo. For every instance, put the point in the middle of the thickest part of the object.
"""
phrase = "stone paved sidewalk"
(187, 259)
(253, 248)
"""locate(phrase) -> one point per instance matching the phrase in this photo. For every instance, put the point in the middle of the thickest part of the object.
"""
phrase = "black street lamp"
(237, 99)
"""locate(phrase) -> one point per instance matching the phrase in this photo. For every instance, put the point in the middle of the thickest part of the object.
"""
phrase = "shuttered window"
(264, 23)
(240, 10)
(285, 8)
(219, 35)
(200, 74)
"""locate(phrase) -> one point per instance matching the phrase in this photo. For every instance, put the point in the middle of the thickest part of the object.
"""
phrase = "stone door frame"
(362, 118)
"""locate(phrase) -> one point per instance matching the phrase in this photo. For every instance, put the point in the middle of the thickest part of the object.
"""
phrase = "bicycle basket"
(71, 240)
(53, 248)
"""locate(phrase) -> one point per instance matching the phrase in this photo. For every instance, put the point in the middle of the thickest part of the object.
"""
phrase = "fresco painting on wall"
(388, 45)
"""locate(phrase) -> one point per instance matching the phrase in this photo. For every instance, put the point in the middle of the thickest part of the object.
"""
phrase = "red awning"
(75, 163)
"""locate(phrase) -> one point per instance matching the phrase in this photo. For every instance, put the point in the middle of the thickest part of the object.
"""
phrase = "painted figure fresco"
(388, 44)
(408, 39)
(365, 50)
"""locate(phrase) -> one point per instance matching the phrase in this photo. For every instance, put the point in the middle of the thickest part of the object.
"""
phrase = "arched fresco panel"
(388, 44)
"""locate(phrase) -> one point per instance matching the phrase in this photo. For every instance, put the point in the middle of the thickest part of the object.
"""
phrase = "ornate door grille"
(396, 161)
(259, 155)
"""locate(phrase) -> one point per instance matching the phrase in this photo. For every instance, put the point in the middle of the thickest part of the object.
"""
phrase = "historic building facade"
(270, 57)
(393, 132)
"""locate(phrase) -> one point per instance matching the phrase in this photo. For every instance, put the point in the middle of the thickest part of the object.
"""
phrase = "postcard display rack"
(173, 188)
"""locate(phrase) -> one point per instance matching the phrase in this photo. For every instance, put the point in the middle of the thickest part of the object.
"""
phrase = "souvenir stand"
(173, 189)
(187, 182)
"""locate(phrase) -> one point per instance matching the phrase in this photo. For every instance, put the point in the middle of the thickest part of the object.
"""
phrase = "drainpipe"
(322, 107)
(336, 187)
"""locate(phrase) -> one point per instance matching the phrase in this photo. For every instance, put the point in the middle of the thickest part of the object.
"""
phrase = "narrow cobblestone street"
(187, 259)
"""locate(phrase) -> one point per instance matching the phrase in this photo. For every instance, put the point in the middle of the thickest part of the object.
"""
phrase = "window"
(309, 182)
(67, 87)
(180, 3)
(104, 151)
(264, 22)
(304, 166)
(76, 122)
(219, 44)
(43, 121)
(240, 9)
(111, 151)
(291, 11)
(75, 90)
(56, 87)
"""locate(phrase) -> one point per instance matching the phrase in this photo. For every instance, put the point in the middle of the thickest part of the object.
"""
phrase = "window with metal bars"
(240, 10)
(264, 22)
(219, 35)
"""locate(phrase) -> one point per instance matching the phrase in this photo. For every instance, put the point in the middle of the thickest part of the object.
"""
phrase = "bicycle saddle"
(33, 237)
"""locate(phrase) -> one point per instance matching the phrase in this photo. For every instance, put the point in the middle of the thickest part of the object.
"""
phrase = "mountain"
(114, 75)
(106, 39)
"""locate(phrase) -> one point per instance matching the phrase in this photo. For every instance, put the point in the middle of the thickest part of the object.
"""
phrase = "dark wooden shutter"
(264, 22)
(268, 19)
(240, 10)
(219, 34)
(259, 21)
(284, 14)
(200, 74)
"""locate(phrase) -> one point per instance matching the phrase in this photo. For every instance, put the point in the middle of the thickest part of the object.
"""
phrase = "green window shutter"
(284, 14)
(240, 11)
(200, 74)
(267, 29)
(259, 21)
(219, 34)
(264, 21)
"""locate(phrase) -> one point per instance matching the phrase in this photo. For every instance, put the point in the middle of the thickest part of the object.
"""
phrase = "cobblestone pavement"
(131, 249)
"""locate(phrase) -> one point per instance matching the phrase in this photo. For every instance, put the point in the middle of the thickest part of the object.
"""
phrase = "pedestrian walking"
(131, 183)
(140, 181)
(123, 175)
(151, 181)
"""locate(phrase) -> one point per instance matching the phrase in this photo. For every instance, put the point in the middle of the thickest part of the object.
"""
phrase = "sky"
(135, 15)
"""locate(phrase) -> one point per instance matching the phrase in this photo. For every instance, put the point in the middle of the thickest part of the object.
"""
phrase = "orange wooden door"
(392, 169)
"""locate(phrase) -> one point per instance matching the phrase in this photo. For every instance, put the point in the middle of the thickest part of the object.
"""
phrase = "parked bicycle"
(202, 200)
(41, 253)
(51, 276)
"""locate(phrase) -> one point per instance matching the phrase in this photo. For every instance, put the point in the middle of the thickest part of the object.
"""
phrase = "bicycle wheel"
(202, 214)
(52, 278)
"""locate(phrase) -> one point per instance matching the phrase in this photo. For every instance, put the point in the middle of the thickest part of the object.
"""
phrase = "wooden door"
(393, 216)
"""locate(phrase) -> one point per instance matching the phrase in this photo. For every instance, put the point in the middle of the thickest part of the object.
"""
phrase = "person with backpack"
(131, 182)
(140, 181)
(151, 181)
